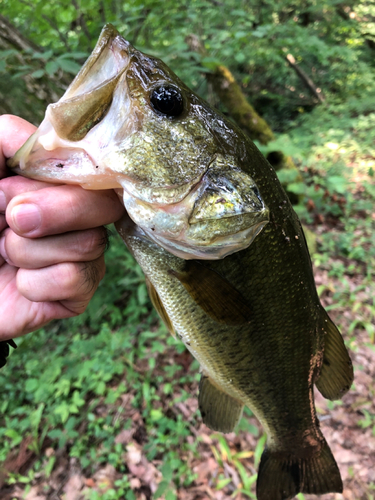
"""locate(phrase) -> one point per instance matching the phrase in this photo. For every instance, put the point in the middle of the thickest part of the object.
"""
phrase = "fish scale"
(224, 255)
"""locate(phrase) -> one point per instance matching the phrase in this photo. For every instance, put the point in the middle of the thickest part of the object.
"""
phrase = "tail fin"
(281, 478)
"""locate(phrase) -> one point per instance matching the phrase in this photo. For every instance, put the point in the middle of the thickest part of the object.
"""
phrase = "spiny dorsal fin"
(157, 303)
(336, 375)
(214, 294)
(220, 412)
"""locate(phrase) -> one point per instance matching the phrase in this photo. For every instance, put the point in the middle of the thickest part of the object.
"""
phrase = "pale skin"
(52, 243)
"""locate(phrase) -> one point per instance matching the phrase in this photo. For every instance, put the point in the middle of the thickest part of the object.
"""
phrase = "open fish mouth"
(128, 123)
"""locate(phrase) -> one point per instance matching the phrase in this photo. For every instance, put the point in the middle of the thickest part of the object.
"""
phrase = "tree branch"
(102, 12)
(14, 37)
(140, 25)
(54, 26)
(41, 88)
(305, 78)
(81, 21)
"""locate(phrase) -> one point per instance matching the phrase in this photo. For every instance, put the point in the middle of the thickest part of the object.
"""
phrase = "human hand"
(52, 242)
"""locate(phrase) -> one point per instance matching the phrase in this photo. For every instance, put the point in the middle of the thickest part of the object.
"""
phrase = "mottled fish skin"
(253, 319)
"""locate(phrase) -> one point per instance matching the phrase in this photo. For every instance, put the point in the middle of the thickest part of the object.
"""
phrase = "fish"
(224, 254)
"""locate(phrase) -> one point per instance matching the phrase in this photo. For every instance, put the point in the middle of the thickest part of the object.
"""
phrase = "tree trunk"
(243, 113)
(239, 108)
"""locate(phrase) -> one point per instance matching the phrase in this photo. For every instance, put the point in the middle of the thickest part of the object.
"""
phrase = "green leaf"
(296, 187)
(167, 472)
(68, 66)
(161, 489)
(36, 416)
(43, 55)
(337, 183)
(223, 482)
(74, 55)
(38, 73)
(240, 57)
(210, 63)
(100, 388)
(31, 384)
(51, 67)
(63, 410)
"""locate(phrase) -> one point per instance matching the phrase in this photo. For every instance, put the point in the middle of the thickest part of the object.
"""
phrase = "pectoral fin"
(214, 294)
(220, 412)
(336, 375)
(158, 304)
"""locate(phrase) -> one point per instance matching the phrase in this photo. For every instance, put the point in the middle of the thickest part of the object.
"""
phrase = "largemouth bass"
(225, 258)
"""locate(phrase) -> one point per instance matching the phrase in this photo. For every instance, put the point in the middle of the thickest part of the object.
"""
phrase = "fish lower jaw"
(214, 238)
(218, 249)
(186, 250)
(69, 166)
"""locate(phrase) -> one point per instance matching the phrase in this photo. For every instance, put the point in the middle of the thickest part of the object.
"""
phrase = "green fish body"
(224, 255)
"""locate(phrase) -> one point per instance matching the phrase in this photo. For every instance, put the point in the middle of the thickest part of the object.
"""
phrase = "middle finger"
(75, 246)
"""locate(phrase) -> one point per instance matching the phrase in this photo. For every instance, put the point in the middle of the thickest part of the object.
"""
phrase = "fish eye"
(167, 100)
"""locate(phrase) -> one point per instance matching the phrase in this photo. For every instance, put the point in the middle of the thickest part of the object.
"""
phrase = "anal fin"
(220, 412)
(336, 375)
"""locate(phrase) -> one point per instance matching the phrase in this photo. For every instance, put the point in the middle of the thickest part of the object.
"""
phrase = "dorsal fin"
(336, 375)
(214, 294)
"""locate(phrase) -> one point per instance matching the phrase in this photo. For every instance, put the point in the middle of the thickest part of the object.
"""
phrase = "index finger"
(14, 132)
(59, 209)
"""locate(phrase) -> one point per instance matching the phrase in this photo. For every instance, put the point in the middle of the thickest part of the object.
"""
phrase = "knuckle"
(81, 279)
(91, 242)
(13, 248)
(27, 284)
(6, 184)
(69, 275)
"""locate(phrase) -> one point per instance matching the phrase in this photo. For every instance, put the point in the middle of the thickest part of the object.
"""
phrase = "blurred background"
(104, 406)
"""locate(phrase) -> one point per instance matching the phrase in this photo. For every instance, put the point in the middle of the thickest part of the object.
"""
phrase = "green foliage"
(75, 368)
(333, 44)
(65, 384)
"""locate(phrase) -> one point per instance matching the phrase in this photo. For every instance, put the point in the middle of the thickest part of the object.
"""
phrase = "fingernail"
(26, 217)
(3, 202)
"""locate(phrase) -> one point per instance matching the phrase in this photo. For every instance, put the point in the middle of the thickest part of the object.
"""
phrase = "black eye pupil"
(167, 100)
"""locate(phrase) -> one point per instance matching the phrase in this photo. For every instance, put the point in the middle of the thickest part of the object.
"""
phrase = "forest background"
(104, 406)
